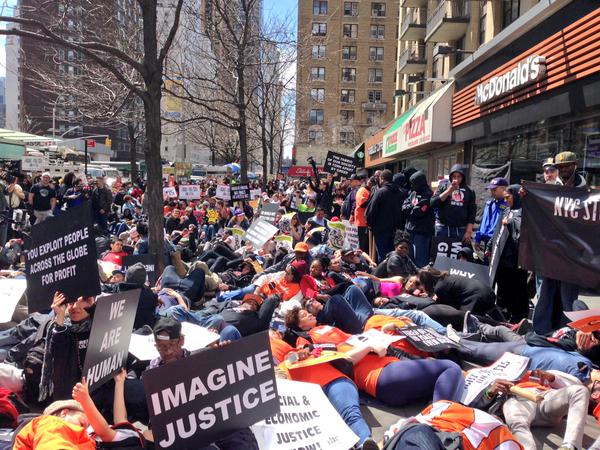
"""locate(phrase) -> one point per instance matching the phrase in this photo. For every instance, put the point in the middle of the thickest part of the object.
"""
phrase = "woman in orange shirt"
(388, 379)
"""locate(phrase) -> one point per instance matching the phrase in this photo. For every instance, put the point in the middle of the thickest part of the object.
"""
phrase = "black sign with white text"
(62, 257)
(268, 212)
(426, 339)
(445, 246)
(149, 262)
(498, 242)
(195, 400)
(559, 233)
(464, 269)
(109, 338)
(240, 192)
(342, 164)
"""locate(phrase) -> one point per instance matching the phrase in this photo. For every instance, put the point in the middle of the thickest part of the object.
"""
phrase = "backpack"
(34, 360)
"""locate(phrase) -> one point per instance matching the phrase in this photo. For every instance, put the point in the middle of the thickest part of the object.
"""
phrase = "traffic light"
(108, 142)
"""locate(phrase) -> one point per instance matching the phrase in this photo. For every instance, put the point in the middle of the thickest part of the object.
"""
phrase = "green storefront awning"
(390, 138)
(11, 151)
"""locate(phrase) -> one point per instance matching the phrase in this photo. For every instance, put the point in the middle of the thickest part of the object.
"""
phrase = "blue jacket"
(545, 358)
(492, 213)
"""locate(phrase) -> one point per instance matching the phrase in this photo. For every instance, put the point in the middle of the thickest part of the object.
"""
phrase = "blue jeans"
(419, 437)
(384, 244)
(191, 287)
(418, 317)
(236, 294)
(547, 288)
(420, 248)
(343, 395)
(359, 303)
(180, 314)
(446, 231)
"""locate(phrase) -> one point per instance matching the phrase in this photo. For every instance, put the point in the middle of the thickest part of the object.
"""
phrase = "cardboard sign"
(464, 269)
(169, 192)
(109, 338)
(586, 321)
(201, 398)
(196, 338)
(223, 192)
(190, 192)
(342, 164)
(11, 291)
(426, 339)
(62, 257)
(445, 246)
(351, 240)
(268, 212)
(337, 234)
(255, 194)
(307, 420)
(260, 232)
(149, 262)
(240, 192)
(373, 337)
(212, 216)
(285, 241)
(509, 367)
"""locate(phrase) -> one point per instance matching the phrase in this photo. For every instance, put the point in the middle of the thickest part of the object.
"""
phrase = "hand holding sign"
(59, 307)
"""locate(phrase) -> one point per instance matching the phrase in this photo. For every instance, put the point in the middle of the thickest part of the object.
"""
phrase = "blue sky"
(280, 8)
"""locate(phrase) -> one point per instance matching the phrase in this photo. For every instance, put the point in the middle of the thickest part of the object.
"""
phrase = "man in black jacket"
(102, 199)
(455, 205)
(419, 218)
(384, 214)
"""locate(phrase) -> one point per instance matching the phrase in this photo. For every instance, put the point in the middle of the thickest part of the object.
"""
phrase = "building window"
(377, 9)
(319, 7)
(511, 11)
(349, 53)
(375, 75)
(317, 73)
(482, 20)
(318, 51)
(315, 136)
(376, 53)
(316, 117)
(349, 74)
(375, 96)
(346, 115)
(373, 117)
(319, 29)
(347, 96)
(350, 30)
(351, 9)
(460, 45)
(377, 32)
(347, 137)
(317, 94)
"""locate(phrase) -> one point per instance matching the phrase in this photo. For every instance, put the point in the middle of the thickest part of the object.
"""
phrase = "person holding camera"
(42, 198)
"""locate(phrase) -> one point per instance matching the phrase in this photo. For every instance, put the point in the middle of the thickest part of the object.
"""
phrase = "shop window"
(350, 30)
(349, 53)
(351, 9)
(510, 11)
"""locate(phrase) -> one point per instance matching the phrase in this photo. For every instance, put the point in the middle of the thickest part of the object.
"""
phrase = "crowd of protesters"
(307, 291)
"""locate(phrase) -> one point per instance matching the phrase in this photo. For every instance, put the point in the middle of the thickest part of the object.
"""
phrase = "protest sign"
(238, 234)
(240, 192)
(373, 337)
(109, 337)
(268, 212)
(463, 269)
(260, 232)
(190, 192)
(195, 400)
(426, 339)
(306, 420)
(223, 192)
(212, 216)
(169, 192)
(586, 321)
(445, 246)
(285, 241)
(255, 194)
(509, 367)
(149, 262)
(196, 338)
(11, 291)
(498, 242)
(62, 257)
(337, 234)
(559, 233)
(351, 238)
(342, 164)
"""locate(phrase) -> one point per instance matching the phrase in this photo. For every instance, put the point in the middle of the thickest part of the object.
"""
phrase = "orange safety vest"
(52, 433)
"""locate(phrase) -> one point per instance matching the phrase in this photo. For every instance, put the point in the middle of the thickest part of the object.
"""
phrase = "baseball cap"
(301, 247)
(59, 405)
(46, 174)
(238, 212)
(347, 251)
(253, 297)
(565, 158)
(169, 326)
(497, 182)
(300, 266)
(356, 176)
(548, 162)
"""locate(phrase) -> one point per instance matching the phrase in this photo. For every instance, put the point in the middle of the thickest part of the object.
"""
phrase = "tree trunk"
(132, 151)
(263, 138)
(242, 128)
(271, 160)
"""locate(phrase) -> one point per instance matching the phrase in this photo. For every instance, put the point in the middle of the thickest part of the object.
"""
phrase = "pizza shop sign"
(525, 72)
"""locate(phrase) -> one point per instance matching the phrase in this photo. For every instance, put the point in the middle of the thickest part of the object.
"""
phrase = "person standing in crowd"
(566, 163)
(350, 200)
(359, 216)
(455, 207)
(101, 200)
(42, 198)
(384, 215)
(492, 212)
(550, 172)
(419, 218)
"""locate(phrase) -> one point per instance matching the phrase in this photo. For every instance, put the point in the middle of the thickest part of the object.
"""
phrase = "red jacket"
(310, 287)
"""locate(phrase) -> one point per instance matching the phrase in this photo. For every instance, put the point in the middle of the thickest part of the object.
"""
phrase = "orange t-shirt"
(281, 287)
(378, 321)
(362, 195)
(52, 433)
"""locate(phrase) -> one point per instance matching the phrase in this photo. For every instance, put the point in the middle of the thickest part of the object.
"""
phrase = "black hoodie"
(416, 208)
(384, 211)
(460, 208)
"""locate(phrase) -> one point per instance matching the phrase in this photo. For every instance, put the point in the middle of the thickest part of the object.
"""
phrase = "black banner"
(201, 398)
(62, 257)
(268, 212)
(559, 233)
(498, 242)
(260, 232)
(426, 339)
(480, 179)
(342, 164)
(109, 338)
(464, 269)
(149, 262)
(445, 246)
(240, 192)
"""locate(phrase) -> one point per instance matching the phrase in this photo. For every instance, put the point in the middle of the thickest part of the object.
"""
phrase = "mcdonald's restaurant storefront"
(420, 138)
(536, 96)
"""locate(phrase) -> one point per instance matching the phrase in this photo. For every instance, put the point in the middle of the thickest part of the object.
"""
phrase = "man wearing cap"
(350, 200)
(566, 163)
(42, 198)
(492, 211)
(550, 172)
